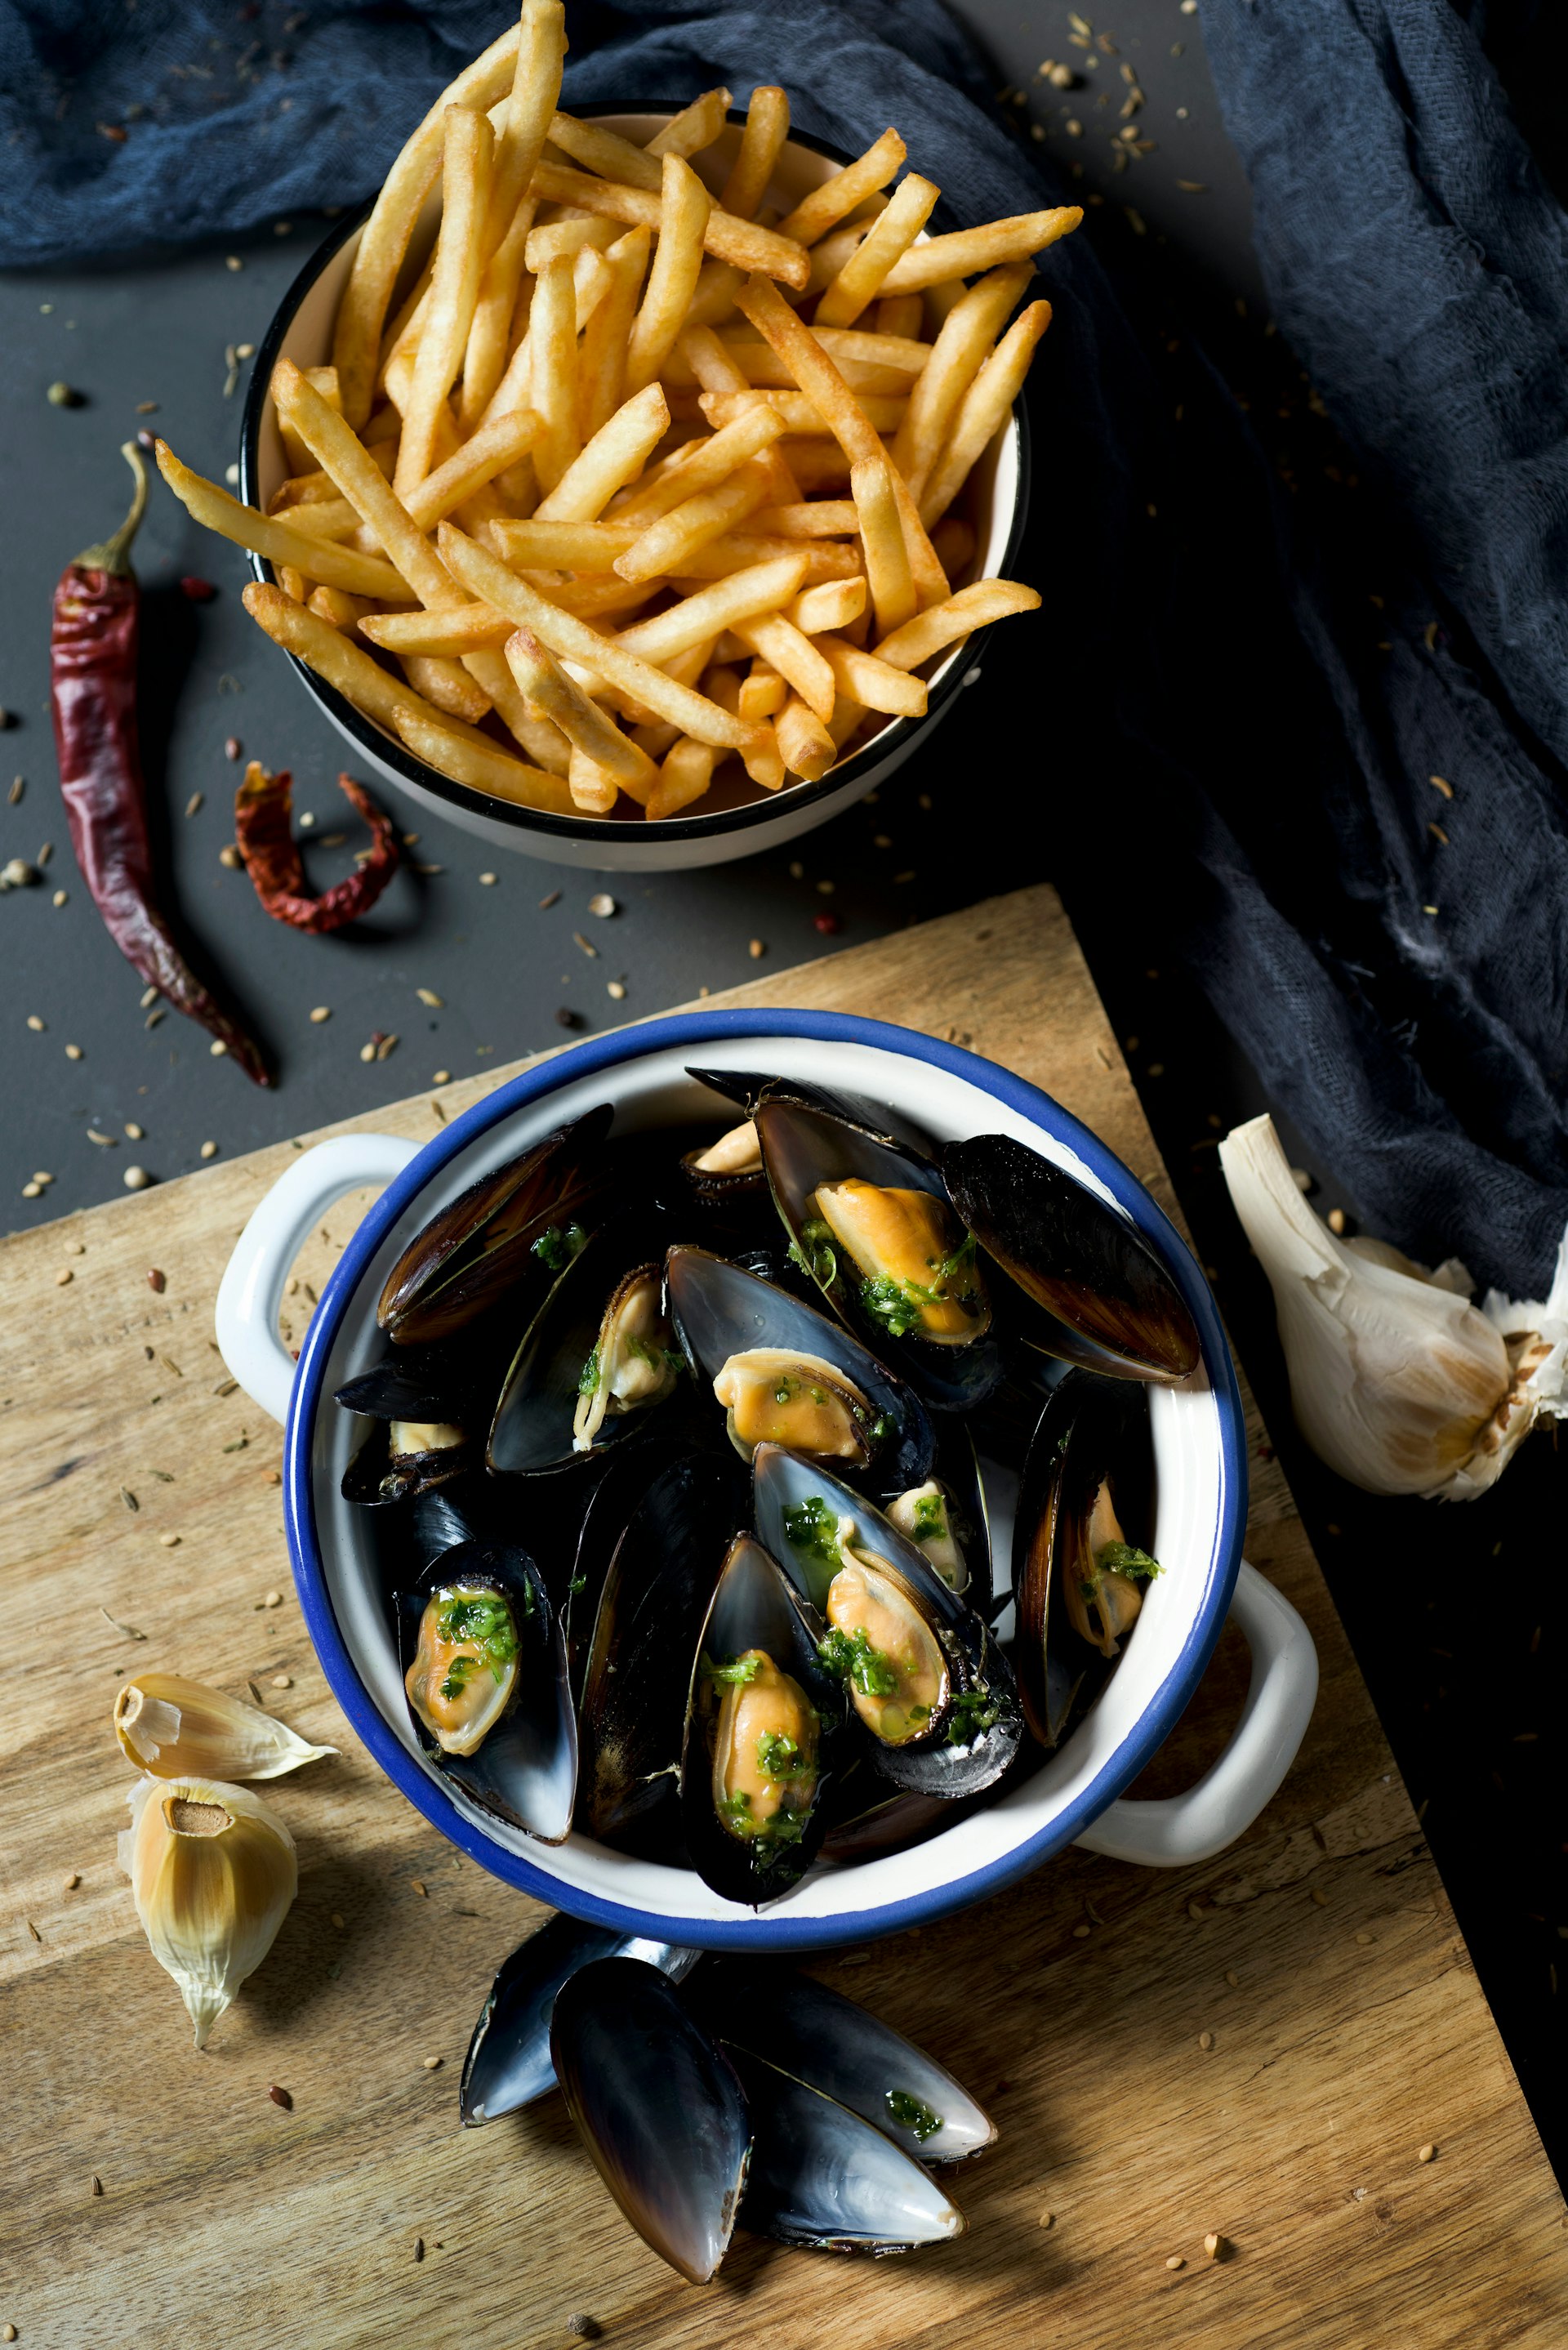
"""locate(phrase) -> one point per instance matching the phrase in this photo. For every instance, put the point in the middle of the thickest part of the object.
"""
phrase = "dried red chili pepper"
(93, 682)
(264, 807)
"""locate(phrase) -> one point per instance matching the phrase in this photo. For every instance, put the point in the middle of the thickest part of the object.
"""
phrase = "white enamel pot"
(1077, 1795)
(735, 819)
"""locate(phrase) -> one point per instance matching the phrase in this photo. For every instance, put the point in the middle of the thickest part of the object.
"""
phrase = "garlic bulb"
(182, 1730)
(1398, 1381)
(214, 1872)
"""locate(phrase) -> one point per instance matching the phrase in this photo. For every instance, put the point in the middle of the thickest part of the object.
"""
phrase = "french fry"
(818, 463)
(536, 86)
(711, 360)
(318, 488)
(931, 582)
(832, 605)
(759, 365)
(741, 242)
(467, 158)
(668, 544)
(837, 197)
(406, 319)
(900, 313)
(781, 644)
(606, 153)
(739, 595)
(968, 250)
(553, 370)
(591, 278)
(863, 275)
(601, 355)
(488, 452)
(686, 668)
(325, 379)
(567, 236)
(811, 366)
(762, 691)
(983, 410)
(331, 519)
(602, 598)
(328, 651)
(336, 605)
(685, 774)
(972, 608)
(847, 718)
(968, 331)
(384, 240)
(903, 355)
(446, 684)
(673, 280)
(882, 535)
(278, 542)
(761, 142)
(829, 257)
(489, 332)
(695, 127)
(616, 455)
(824, 559)
(882, 411)
(874, 684)
(293, 582)
(805, 746)
(546, 685)
(705, 465)
(809, 519)
(483, 765)
(578, 547)
(718, 283)
(456, 630)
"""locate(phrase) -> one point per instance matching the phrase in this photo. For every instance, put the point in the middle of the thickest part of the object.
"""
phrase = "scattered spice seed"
(7, 2333)
(136, 1179)
(1438, 785)
(487, 881)
(616, 987)
(64, 1274)
(1206, 2040)
(385, 1045)
(1320, 1897)
(418, 2248)
(171, 1542)
(73, 1878)
(367, 1052)
(603, 905)
(97, 2184)
(433, 2064)
(756, 949)
(281, 2097)
(32, 1191)
(336, 1920)
(34, 1932)
(209, 1150)
(1048, 2218)
(104, 1141)
(1233, 1979)
(1364, 1938)
(586, 2328)
(420, 1889)
(156, 1281)
(1080, 1933)
(129, 1497)
(1426, 2153)
(565, 1018)
(827, 924)
(1213, 2245)
(229, 856)
(128, 1631)
(272, 1599)
(322, 1012)
(197, 590)
(553, 899)
(225, 1387)
(1176, 2262)
(35, 1023)
(442, 1077)
(61, 395)
(134, 1133)
(428, 996)
(578, 939)
(231, 747)
(217, 1048)
(73, 1052)
(282, 1680)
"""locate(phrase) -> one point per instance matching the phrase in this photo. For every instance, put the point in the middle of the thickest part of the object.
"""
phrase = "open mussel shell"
(657, 2106)
(424, 1412)
(750, 1087)
(833, 2044)
(975, 1722)
(758, 1753)
(724, 1314)
(625, 1476)
(638, 1678)
(947, 1517)
(1093, 1432)
(508, 2064)
(823, 2177)
(468, 1256)
(1105, 1299)
(872, 1220)
(524, 1768)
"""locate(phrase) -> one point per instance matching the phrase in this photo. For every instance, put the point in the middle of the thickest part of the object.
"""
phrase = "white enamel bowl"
(735, 819)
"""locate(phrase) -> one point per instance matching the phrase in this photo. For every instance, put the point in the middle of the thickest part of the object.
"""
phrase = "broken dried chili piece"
(93, 677)
(263, 809)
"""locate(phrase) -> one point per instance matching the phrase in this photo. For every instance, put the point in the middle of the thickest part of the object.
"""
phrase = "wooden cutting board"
(1259, 2047)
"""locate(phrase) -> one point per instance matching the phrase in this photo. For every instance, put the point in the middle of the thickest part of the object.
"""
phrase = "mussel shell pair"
(508, 2061)
(425, 1389)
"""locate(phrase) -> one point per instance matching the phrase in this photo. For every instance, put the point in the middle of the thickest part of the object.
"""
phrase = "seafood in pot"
(420, 1414)
(598, 1355)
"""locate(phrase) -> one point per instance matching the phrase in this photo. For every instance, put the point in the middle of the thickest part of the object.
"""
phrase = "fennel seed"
(281, 2097)
(1206, 2041)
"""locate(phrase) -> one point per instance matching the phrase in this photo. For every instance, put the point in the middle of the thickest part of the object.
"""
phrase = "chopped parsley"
(783, 1391)
(589, 1379)
(457, 1675)
(784, 1827)
(778, 1755)
(812, 1530)
(849, 1655)
(739, 1671)
(974, 1712)
(881, 1427)
(895, 1305)
(959, 1257)
(911, 2114)
(930, 1518)
(1126, 1558)
(482, 1620)
(818, 1256)
(555, 1248)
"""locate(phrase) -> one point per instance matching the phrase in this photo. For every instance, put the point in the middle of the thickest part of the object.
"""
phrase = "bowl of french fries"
(633, 487)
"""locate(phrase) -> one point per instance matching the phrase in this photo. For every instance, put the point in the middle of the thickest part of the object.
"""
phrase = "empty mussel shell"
(750, 1087)
(833, 2044)
(1103, 1297)
(762, 1728)
(823, 2177)
(484, 1670)
(657, 2106)
(518, 1218)
(598, 1356)
(508, 2063)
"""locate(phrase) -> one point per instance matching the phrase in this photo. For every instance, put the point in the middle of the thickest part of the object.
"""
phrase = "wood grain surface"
(1347, 2030)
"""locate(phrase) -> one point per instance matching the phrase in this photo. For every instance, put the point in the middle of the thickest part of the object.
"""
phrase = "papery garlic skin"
(1398, 1381)
(214, 1872)
(178, 1728)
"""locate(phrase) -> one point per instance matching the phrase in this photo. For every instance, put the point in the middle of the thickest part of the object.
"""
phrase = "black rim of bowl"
(612, 830)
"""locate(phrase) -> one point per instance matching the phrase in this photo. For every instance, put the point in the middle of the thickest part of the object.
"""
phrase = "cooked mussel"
(785, 1373)
(528, 1214)
(926, 1514)
(484, 1670)
(1103, 1298)
(728, 1170)
(657, 2106)
(597, 1356)
(421, 1437)
(1080, 1562)
(760, 1733)
(508, 2063)
(823, 2177)
(932, 1692)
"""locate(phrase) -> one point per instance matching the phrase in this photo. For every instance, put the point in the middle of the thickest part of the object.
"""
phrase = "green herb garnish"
(911, 2114)
(930, 1518)
(974, 1712)
(555, 1248)
(881, 1428)
(1126, 1558)
(812, 1530)
(785, 1827)
(485, 1622)
(895, 1305)
(589, 1377)
(740, 1671)
(849, 1655)
(778, 1755)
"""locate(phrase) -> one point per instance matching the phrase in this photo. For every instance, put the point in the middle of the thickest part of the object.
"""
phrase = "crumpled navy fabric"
(1266, 803)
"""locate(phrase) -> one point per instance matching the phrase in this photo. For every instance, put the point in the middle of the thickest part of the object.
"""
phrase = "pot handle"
(1173, 1830)
(251, 1292)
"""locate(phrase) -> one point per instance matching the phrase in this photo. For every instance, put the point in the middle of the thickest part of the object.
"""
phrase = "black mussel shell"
(466, 1257)
(525, 1771)
(638, 1677)
(750, 1087)
(419, 1383)
(377, 1476)
(508, 2063)
(823, 2177)
(626, 1476)
(1092, 1430)
(870, 1820)
(792, 2021)
(755, 1606)
(804, 1147)
(657, 2106)
(1108, 1301)
(974, 1738)
(720, 1310)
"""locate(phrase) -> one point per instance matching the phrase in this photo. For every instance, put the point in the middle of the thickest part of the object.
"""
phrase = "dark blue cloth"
(1266, 805)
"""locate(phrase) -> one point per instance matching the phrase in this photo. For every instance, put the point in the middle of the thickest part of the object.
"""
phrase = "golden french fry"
(759, 365)
(968, 331)
(483, 765)
(905, 354)
(489, 452)
(334, 566)
(900, 313)
(318, 488)
(864, 274)
(616, 455)
(713, 302)
(604, 598)
(456, 630)
(825, 559)
(873, 683)
(673, 280)
(467, 160)
(837, 197)
(710, 360)
(810, 518)
(741, 242)
(553, 370)
(594, 789)
(336, 605)
(328, 651)
(405, 320)
(761, 141)
(983, 410)
(326, 519)
(490, 333)
(446, 684)
(829, 257)
(968, 250)
(972, 608)
(811, 366)
(932, 585)
(738, 595)
(567, 236)
(601, 355)
(685, 774)
(805, 746)
(669, 544)
(883, 411)
(847, 715)
(686, 668)
(579, 547)
(818, 463)
(882, 535)
(782, 645)
(704, 465)
(555, 695)
(530, 106)
(591, 279)
(695, 127)
(832, 605)
(325, 379)
(384, 240)
(605, 153)
(293, 582)
(762, 691)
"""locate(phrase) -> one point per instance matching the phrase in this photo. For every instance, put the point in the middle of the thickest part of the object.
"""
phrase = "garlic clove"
(212, 1870)
(178, 1728)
